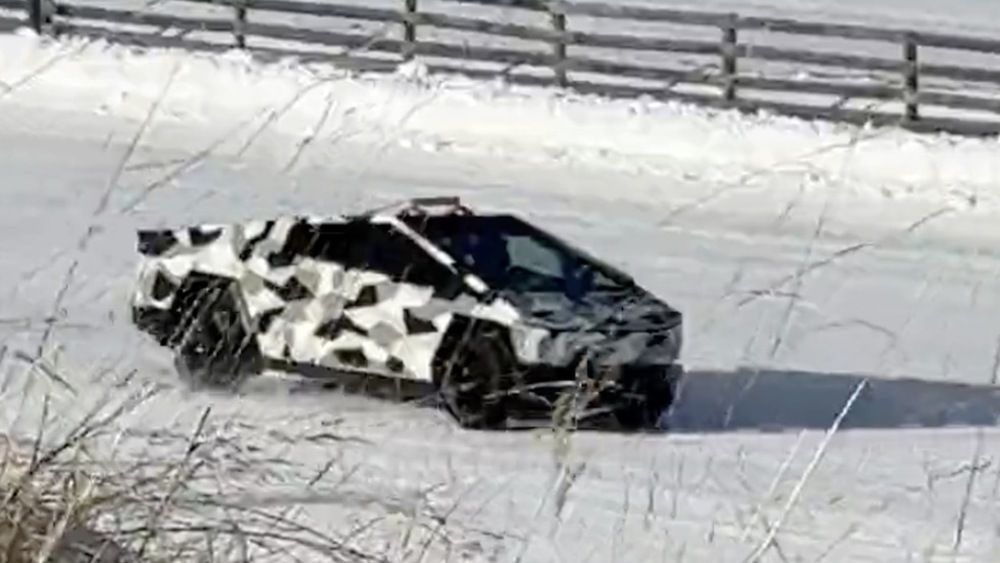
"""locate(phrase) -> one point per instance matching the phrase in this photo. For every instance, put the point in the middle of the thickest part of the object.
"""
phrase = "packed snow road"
(873, 270)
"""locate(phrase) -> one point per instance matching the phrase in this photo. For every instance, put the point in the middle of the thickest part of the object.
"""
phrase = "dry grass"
(46, 512)
(60, 502)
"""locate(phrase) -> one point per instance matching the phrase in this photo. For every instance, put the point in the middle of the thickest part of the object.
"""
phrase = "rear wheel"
(213, 346)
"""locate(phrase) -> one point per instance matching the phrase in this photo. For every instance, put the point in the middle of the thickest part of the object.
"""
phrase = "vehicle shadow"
(773, 400)
(762, 400)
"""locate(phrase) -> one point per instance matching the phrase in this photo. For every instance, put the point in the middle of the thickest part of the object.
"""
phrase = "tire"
(644, 395)
(213, 347)
(474, 379)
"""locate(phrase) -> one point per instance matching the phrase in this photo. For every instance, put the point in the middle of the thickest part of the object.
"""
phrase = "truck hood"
(611, 313)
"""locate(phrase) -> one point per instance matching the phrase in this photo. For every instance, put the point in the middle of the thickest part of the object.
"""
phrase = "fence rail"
(909, 89)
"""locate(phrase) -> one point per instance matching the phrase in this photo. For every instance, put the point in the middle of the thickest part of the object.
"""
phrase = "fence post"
(35, 15)
(240, 25)
(728, 49)
(911, 80)
(559, 46)
(409, 29)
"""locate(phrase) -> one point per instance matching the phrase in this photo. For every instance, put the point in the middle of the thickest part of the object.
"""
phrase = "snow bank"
(515, 122)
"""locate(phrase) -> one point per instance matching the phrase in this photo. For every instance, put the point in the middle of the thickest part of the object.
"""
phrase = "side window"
(527, 253)
(394, 254)
(371, 246)
(342, 243)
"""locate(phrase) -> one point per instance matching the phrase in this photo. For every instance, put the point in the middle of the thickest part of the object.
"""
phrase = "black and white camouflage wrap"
(323, 313)
(556, 331)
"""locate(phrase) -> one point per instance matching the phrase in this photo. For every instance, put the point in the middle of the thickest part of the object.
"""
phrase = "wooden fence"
(893, 86)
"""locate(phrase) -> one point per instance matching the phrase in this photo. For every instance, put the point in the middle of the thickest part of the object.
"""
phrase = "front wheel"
(473, 380)
(644, 395)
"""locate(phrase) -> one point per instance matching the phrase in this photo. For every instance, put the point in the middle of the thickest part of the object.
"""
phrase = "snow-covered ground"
(816, 254)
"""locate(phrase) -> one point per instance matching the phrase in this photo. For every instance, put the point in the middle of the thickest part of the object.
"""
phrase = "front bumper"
(536, 346)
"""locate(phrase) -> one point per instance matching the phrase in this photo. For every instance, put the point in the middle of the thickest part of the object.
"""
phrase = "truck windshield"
(509, 254)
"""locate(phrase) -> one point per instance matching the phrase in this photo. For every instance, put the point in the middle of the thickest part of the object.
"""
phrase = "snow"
(965, 18)
(819, 255)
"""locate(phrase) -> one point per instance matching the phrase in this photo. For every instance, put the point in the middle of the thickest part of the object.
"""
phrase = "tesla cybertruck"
(487, 309)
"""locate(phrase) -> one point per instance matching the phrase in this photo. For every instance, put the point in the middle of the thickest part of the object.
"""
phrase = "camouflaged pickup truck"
(487, 309)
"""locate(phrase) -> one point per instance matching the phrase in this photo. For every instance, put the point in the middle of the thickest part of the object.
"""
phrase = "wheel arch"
(195, 290)
(461, 329)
